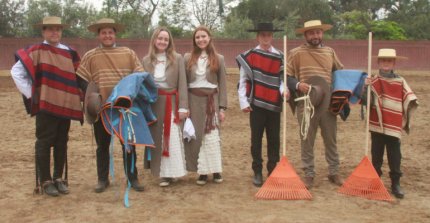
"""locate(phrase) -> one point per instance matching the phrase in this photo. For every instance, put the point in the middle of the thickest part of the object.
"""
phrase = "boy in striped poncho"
(392, 105)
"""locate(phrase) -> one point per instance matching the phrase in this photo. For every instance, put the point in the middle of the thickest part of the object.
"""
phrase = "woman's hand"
(183, 115)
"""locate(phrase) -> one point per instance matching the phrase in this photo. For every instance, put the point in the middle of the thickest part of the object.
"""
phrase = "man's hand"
(247, 109)
(221, 115)
(287, 95)
(303, 87)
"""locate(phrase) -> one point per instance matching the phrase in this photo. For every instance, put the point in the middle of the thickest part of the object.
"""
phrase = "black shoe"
(61, 186)
(101, 186)
(202, 180)
(136, 185)
(165, 181)
(50, 189)
(217, 178)
(397, 191)
(258, 180)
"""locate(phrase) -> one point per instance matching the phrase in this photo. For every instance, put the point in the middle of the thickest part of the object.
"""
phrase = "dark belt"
(210, 106)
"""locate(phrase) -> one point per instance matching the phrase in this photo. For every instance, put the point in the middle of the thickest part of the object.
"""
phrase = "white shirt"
(160, 71)
(22, 79)
(201, 81)
(243, 100)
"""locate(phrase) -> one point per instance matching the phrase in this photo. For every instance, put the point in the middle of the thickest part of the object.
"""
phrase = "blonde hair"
(170, 50)
(210, 50)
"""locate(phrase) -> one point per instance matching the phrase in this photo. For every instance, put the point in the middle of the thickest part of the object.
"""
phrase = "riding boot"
(396, 189)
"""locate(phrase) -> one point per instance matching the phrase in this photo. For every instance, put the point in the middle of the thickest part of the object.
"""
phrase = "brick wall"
(352, 53)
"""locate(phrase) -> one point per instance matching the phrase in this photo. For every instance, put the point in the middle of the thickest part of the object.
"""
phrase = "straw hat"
(105, 23)
(320, 90)
(51, 21)
(313, 24)
(92, 103)
(264, 27)
(388, 53)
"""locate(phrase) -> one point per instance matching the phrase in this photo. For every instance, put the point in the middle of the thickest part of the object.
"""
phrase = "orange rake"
(364, 181)
(284, 183)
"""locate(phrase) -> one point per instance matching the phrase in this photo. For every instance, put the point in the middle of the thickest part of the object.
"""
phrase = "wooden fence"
(352, 53)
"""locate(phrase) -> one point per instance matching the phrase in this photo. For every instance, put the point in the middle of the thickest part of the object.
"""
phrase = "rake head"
(283, 184)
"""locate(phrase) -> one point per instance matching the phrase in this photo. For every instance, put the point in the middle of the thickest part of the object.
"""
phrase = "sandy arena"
(231, 201)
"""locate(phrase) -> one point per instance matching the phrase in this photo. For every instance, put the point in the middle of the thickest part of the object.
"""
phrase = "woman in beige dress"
(207, 98)
(167, 159)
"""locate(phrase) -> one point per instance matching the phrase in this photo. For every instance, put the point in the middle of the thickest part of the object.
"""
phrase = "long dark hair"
(210, 50)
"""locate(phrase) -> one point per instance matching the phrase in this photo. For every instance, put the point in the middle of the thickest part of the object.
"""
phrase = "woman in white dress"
(207, 97)
(167, 159)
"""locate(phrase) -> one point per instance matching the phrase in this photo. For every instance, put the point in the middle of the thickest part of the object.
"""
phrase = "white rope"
(308, 113)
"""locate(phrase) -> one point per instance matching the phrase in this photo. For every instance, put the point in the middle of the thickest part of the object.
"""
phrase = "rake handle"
(284, 103)
(369, 73)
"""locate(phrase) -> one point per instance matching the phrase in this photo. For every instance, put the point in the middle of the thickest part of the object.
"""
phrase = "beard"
(314, 42)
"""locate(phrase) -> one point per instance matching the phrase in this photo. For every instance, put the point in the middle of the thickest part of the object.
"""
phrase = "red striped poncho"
(54, 85)
(264, 71)
(393, 103)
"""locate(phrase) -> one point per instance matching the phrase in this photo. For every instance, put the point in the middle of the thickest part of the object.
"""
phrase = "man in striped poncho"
(45, 75)
(314, 59)
(106, 65)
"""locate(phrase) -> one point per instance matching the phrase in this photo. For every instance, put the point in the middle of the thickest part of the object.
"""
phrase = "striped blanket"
(393, 104)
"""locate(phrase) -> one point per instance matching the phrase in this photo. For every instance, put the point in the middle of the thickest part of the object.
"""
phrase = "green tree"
(11, 18)
(235, 27)
(135, 14)
(357, 25)
(413, 17)
(174, 16)
(37, 9)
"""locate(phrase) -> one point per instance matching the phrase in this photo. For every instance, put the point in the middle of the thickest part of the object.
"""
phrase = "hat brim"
(96, 27)
(390, 57)
(320, 92)
(92, 98)
(324, 27)
(263, 30)
(40, 25)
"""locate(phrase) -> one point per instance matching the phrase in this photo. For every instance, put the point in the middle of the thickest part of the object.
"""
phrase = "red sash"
(168, 117)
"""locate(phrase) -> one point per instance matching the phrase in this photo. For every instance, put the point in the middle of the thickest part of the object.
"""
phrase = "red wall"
(352, 53)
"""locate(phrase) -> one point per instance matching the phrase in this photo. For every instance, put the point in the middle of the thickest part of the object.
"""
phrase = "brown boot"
(335, 179)
(309, 182)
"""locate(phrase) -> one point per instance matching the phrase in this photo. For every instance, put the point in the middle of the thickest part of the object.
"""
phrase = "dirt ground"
(231, 201)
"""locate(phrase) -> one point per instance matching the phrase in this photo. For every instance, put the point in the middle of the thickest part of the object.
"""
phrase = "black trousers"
(103, 142)
(51, 131)
(394, 155)
(262, 119)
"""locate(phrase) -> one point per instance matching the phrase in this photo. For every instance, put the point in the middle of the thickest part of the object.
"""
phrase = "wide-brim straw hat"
(388, 53)
(51, 21)
(92, 103)
(313, 24)
(320, 91)
(105, 23)
(264, 27)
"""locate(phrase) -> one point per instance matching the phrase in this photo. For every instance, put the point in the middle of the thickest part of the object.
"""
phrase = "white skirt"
(174, 165)
(210, 154)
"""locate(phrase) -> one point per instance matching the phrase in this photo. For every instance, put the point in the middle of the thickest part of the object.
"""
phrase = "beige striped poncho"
(107, 66)
(306, 61)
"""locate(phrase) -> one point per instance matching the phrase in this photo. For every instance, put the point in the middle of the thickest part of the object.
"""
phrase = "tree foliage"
(11, 17)
(351, 19)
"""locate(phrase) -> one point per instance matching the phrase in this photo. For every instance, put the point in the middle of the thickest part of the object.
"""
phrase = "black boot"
(396, 189)
(258, 179)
